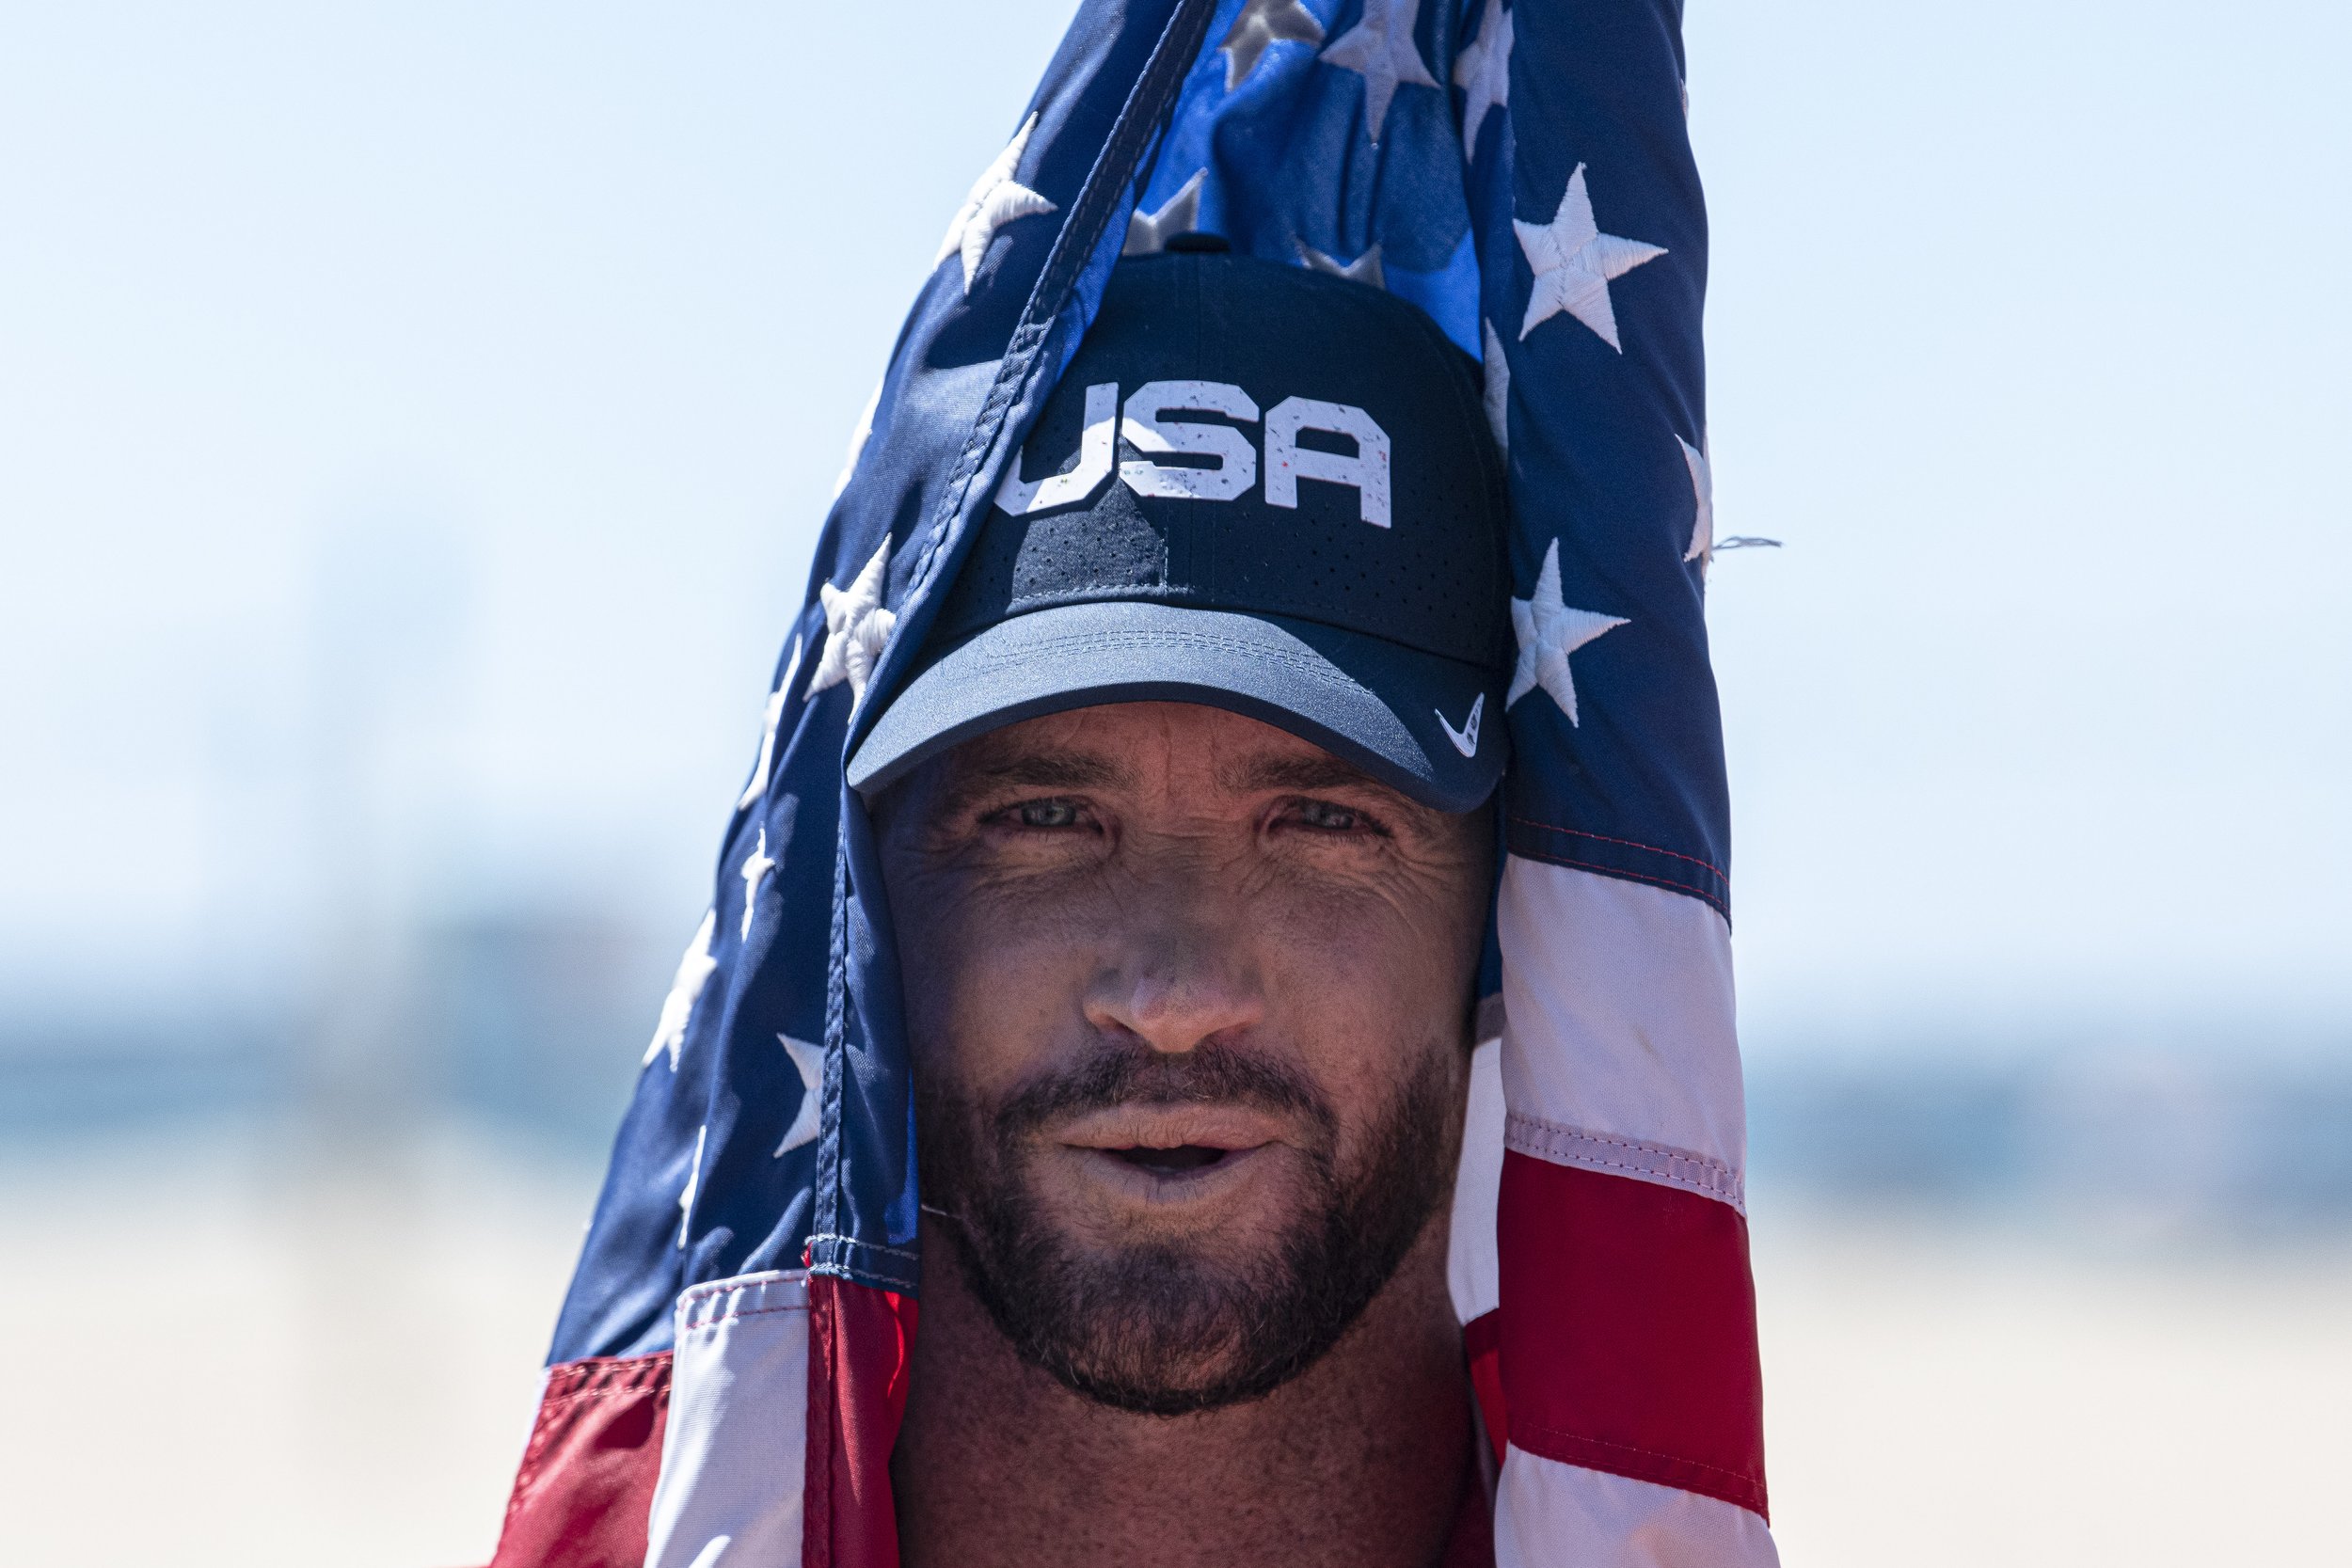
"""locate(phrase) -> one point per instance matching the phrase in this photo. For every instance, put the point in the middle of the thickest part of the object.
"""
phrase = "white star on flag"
(694, 1184)
(1364, 269)
(1382, 49)
(1482, 72)
(1703, 491)
(809, 1062)
(768, 722)
(1574, 261)
(1260, 23)
(1549, 632)
(1498, 388)
(857, 628)
(1179, 214)
(686, 987)
(755, 868)
(996, 200)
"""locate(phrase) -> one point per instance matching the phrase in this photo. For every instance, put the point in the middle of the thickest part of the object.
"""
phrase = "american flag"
(728, 1369)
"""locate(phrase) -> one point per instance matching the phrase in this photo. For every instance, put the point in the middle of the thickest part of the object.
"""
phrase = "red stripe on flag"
(859, 1341)
(1628, 1330)
(585, 1486)
(1481, 1343)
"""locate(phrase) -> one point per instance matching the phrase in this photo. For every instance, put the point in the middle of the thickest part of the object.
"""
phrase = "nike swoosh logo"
(1466, 738)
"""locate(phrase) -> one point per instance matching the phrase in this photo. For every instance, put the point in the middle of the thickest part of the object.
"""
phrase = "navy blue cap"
(1256, 486)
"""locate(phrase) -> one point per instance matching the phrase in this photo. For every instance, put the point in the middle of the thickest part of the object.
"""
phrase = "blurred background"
(415, 421)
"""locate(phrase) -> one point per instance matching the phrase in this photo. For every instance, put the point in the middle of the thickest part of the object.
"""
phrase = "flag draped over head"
(728, 1370)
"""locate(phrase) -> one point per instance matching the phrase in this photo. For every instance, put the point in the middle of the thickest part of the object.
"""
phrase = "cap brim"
(1428, 726)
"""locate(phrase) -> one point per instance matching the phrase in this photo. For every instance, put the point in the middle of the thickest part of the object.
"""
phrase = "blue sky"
(414, 420)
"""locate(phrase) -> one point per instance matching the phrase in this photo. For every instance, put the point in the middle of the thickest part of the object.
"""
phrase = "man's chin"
(1170, 1328)
(1173, 1311)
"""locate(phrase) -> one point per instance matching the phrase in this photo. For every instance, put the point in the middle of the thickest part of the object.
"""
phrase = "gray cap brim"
(1428, 726)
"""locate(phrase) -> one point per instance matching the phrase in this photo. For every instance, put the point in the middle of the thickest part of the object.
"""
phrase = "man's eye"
(1046, 814)
(1330, 818)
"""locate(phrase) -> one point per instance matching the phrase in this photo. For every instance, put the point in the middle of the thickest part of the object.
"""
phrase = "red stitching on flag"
(731, 1317)
(1628, 843)
(744, 1284)
(1549, 857)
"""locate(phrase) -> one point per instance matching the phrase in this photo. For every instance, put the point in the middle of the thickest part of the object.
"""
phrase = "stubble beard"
(1168, 1329)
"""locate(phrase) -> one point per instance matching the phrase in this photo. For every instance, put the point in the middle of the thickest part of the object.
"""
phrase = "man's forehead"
(1128, 745)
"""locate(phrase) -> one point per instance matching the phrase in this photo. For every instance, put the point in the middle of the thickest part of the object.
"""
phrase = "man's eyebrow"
(1298, 772)
(1039, 770)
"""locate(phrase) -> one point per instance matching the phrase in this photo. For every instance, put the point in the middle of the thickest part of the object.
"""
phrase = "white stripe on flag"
(1549, 1512)
(734, 1454)
(1619, 1038)
(1472, 1268)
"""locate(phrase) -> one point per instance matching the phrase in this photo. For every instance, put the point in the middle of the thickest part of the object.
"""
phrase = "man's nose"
(1178, 985)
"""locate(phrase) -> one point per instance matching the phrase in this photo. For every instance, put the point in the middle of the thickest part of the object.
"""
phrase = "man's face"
(1189, 999)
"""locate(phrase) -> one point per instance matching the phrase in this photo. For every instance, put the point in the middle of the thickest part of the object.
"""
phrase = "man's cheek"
(1358, 968)
(999, 1005)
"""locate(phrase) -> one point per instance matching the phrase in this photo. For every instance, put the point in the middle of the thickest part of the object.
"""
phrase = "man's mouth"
(1160, 1154)
(1180, 1161)
(1173, 1141)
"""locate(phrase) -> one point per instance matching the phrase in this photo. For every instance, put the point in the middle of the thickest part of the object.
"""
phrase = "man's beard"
(1164, 1329)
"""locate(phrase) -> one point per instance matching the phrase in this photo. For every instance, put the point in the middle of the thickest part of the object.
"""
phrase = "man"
(1187, 813)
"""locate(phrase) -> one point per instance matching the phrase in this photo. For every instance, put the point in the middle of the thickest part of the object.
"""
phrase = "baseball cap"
(1259, 487)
